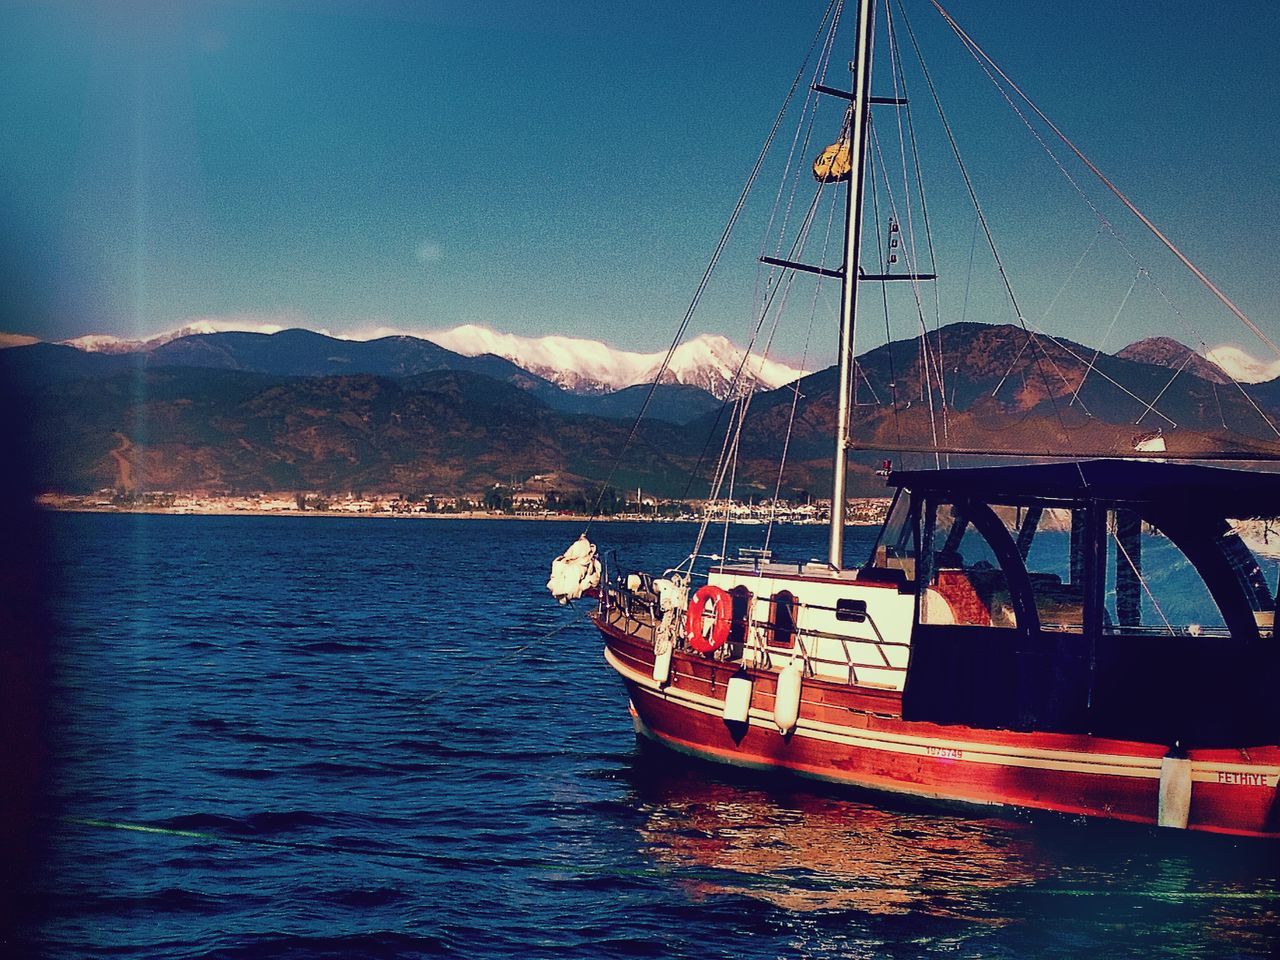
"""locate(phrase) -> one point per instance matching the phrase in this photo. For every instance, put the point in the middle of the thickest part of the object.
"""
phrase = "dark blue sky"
(567, 167)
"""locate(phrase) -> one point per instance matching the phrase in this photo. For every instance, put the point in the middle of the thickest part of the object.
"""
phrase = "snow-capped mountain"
(579, 365)
(590, 366)
(106, 343)
(1242, 366)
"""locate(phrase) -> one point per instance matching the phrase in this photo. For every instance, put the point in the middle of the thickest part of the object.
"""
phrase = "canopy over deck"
(1236, 493)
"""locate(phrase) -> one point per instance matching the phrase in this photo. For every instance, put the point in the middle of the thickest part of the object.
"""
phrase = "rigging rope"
(986, 229)
(1062, 345)
(661, 872)
(900, 91)
(1186, 262)
(1098, 352)
(983, 59)
(783, 284)
(927, 371)
(1107, 225)
(799, 147)
(884, 302)
(795, 387)
(715, 259)
(511, 655)
(988, 66)
(1146, 587)
(1045, 316)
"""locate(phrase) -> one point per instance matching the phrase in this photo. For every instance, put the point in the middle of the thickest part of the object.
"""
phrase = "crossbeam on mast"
(839, 273)
(845, 95)
(802, 267)
(897, 276)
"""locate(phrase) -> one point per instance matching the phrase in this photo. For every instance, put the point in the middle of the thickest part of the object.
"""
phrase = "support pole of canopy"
(849, 285)
(1128, 569)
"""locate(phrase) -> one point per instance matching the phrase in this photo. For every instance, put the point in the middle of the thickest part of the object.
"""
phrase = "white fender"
(1174, 807)
(737, 699)
(662, 664)
(786, 704)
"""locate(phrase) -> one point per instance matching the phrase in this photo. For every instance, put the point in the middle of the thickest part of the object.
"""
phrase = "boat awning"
(1235, 493)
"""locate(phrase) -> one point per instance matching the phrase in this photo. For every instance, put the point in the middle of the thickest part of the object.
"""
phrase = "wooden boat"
(1091, 637)
(995, 648)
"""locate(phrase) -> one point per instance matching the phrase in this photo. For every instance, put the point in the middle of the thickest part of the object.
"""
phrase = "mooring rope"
(511, 655)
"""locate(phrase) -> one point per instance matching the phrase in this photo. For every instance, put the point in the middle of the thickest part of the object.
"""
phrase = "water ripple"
(301, 740)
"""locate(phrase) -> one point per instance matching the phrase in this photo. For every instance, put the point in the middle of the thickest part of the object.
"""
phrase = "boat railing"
(808, 642)
(640, 611)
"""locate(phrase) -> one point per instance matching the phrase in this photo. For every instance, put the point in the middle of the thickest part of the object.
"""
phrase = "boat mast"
(861, 68)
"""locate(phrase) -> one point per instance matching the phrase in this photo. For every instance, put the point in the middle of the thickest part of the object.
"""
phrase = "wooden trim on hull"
(856, 736)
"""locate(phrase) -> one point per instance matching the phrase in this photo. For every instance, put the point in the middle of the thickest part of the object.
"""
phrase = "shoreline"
(864, 511)
(380, 515)
(387, 515)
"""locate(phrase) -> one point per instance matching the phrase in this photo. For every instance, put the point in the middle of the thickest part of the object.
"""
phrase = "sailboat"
(1006, 642)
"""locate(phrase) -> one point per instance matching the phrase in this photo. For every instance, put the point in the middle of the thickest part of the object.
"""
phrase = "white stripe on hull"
(913, 790)
(968, 751)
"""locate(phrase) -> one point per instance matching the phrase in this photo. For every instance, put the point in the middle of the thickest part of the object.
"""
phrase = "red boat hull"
(856, 736)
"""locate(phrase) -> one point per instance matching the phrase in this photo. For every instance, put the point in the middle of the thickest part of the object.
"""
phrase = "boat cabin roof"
(1242, 493)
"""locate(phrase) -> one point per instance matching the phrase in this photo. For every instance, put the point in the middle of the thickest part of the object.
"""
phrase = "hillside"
(258, 412)
(446, 431)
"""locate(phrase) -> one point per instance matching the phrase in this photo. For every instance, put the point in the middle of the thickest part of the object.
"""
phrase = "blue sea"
(305, 737)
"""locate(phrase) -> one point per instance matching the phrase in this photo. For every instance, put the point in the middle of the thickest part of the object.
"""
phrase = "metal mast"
(861, 68)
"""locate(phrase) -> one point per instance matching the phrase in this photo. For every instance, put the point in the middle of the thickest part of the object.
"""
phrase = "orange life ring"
(719, 628)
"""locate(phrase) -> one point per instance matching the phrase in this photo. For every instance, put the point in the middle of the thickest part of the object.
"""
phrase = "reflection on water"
(810, 851)
(998, 886)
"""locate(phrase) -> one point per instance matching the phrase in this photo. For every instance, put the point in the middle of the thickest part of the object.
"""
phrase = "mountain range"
(301, 410)
(709, 362)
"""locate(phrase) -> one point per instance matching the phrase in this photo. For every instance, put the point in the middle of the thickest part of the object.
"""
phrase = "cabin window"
(1051, 542)
(894, 555)
(1151, 586)
(1252, 549)
(967, 586)
(740, 598)
(851, 611)
(783, 608)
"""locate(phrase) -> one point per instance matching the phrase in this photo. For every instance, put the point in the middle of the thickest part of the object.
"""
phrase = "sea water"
(317, 737)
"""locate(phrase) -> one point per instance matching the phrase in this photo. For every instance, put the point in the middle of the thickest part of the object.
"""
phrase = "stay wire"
(900, 75)
(1104, 224)
(730, 399)
(741, 400)
(1159, 235)
(884, 301)
(989, 65)
(935, 366)
(795, 387)
(986, 228)
(1045, 316)
(715, 259)
(777, 279)
(1093, 361)
(927, 368)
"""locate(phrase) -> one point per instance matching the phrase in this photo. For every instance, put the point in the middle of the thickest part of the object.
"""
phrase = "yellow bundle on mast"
(833, 164)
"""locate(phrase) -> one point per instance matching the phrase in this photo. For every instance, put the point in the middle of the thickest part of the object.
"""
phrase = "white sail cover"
(575, 571)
